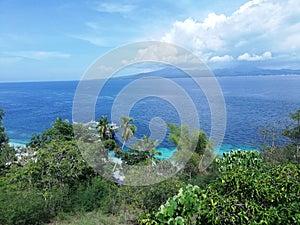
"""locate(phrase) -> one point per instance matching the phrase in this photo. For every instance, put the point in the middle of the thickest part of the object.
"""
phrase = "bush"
(248, 191)
(97, 194)
(110, 144)
(22, 207)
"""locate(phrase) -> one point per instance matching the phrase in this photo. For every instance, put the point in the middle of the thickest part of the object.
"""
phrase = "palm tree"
(147, 147)
(128, 129)
(102, 127)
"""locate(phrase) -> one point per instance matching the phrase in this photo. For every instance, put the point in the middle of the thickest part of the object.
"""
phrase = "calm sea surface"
(251, 101)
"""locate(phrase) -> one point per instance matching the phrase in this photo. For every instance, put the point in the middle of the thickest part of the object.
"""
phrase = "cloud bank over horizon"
(256, 31)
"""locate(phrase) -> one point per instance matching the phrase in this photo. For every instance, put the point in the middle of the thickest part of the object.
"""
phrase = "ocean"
(251, 102)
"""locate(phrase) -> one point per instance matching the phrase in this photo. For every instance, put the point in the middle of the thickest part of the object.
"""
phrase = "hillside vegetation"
(49, 180)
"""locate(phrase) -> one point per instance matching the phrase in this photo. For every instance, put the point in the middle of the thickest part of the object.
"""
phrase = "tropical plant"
(128, 129)
(110, 144)
(141, 152)
(60, 130)
(248, 191)
(191, 147)
(83, 133)
(148, 147)
(103, 127)
(293, 133)
(3, 136)
(7, 153)
(281, 143)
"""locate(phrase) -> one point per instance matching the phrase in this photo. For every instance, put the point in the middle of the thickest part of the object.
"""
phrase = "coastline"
(166, 152)
(17, 143)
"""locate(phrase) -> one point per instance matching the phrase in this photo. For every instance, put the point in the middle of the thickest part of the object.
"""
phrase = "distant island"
(173, 72)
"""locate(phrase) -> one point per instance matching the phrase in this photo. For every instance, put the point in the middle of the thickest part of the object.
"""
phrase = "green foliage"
(191, 148)
(57, 164)
(110, 144)
(282, 145)
(7, 157)
(3, 135)
(104, 130)
(84, 134)
(248, 191)
(143, 152)
(23, 207)
(97, 193)
(196, 141)
(293, 131)
(148, 198)
(128, 128)
(7, 153)
(61, 130)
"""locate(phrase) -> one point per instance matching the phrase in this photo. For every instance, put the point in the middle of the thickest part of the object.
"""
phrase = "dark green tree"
(191, 147)
(181, 136)
(103, 128)
(3, 136)
(293, 131)
(60, 130)
(281, 143)
(7, 153)
(143, 152)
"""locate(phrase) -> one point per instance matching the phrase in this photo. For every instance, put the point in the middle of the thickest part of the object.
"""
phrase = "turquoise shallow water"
(168, 152)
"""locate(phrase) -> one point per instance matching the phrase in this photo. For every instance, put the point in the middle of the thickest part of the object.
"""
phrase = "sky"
(59, 40)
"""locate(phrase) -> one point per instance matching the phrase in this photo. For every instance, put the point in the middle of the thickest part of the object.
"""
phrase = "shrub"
(110, 144)
(23, 207)
(248, 191)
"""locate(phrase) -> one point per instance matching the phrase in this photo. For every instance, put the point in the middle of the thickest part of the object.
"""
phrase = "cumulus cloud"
(225, 58)
(258, 25)
(38, 55)
(196, 35)
(248, 57)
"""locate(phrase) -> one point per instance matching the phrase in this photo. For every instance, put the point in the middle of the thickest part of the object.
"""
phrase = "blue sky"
(58, 40)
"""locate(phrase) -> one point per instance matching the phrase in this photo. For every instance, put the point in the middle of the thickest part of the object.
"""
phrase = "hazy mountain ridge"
(254, 72)
(239, 71)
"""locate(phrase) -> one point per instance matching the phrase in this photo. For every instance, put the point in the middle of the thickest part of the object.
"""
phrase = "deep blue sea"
(251, 101)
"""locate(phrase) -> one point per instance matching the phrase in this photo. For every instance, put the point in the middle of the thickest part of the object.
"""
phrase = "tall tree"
(3, 135)
(60, 130)
(7, 153)
(147, 147)
(128, 129)
(293, 131)
(191, 147)
(103, 127)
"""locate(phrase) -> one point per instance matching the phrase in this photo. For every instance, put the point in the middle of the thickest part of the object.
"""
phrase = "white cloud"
(213, 19)
(195, 35)
(95, 40)
(247, 6)
(37, 55)
(115, 8)
(257, 26)
(225, 58)
(248, 57)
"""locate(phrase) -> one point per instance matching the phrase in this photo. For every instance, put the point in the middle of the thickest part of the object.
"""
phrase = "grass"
(93, 218)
